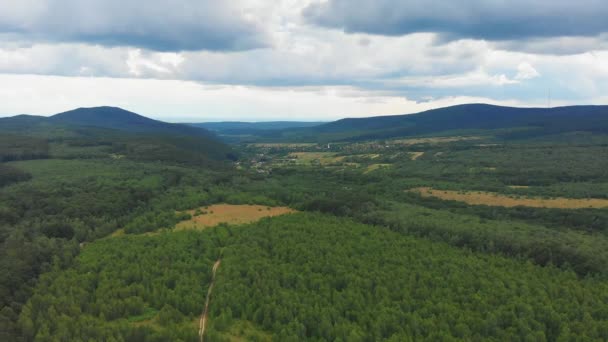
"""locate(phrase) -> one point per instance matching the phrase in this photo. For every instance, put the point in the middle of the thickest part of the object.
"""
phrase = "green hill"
(469, 117)
(123, 120)
(119, 132)
(239, 127)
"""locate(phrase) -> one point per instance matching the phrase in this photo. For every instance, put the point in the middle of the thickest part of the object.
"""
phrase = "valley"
(492, 235)
(303, 170)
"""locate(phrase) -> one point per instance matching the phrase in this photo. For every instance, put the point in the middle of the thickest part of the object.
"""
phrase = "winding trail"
(203, 321)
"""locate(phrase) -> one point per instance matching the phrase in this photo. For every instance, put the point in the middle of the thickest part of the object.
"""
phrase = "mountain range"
(461, 118)
(240, 127)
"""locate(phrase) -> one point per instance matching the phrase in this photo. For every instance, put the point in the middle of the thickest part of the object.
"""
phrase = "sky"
(308, 60)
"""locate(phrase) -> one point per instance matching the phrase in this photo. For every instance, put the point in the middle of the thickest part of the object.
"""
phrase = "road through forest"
(203, 321)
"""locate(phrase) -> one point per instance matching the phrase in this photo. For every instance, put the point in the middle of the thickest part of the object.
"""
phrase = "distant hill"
(536, 121)
(239, 127)
(128, 132)
(237, 131)
(120, 119)
(21, 122)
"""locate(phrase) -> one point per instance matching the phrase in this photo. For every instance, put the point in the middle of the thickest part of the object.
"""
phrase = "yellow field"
(415, 155)
(374, 167)
(434, 140)
(118, 232)
(283, 145)
(499, 200)
(230, 214)
(368, 156)
(323, 158)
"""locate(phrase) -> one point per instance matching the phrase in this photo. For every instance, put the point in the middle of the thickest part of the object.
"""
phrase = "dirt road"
(203, 321)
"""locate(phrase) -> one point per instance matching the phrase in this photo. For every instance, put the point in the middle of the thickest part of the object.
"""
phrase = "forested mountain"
(120, 132)
(239, 127)
(120, 119)
(101, 117)
(469, 117)
(235, 132)
(77, 176)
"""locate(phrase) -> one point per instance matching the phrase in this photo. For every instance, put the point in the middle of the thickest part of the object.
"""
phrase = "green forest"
(289, 278)
(90, 250)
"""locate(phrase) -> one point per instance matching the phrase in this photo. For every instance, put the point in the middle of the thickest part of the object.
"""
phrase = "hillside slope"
(239, 127)
(537, 121)
(242, 132)
(123, 133)
(124, 120)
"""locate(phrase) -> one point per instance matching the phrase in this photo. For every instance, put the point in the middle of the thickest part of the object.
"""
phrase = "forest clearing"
(415, 155)
(323, 158)
(499, 200)
(213, 215)
(374, 167)
(282, 145)
(434, 140)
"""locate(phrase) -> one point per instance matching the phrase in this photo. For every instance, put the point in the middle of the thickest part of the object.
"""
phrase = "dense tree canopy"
(290, 279)
(87, 250)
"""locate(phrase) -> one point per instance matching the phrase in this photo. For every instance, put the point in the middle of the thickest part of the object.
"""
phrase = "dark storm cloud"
(159, 25)
(494, 20)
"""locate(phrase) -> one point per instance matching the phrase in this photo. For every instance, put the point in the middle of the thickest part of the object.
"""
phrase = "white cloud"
(300, 59)
(525, 71)
(473, 79)
(174, 100)
(138, 65)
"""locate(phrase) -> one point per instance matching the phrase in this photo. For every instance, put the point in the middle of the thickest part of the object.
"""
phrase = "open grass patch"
(213, 215)
(374, 167)
(283, 145)
(312, 158)
(500, 200)
(415, 155)
(434, 140)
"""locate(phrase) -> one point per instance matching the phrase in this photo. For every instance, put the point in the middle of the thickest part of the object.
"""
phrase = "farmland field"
(374, 167)
(322, 158)
(213, 215)
(282, 145)
(434, 140)
(416, 155)
(495, 199)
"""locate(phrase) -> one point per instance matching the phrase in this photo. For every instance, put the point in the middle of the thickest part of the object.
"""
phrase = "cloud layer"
(159, 25)
(403, 54)
(478, 19)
